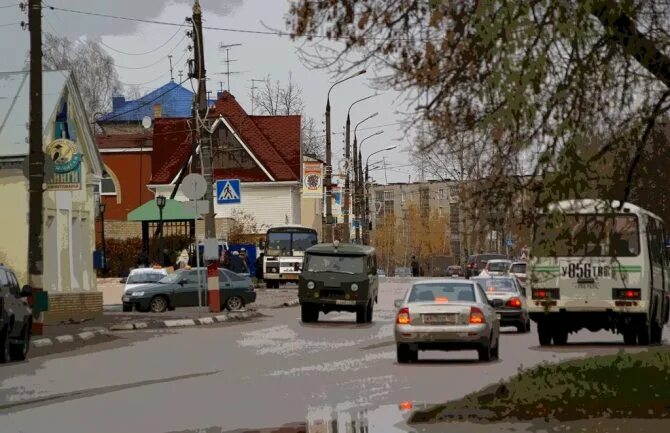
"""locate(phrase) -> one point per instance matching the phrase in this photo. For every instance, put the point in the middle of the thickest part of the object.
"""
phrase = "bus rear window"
(587, 235)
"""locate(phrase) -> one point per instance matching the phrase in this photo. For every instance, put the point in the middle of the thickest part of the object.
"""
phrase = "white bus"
(598, 265)
(284, 252)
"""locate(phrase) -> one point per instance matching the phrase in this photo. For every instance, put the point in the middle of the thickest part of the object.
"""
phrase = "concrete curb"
(292, 303)
(176, 323)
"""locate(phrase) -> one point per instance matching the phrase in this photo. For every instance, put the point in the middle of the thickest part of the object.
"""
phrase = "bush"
(122, 254)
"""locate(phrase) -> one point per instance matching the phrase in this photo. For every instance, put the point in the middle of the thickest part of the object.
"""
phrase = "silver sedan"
(449, 314)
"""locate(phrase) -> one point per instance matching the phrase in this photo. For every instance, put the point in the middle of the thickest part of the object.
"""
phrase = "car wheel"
(309, 313)
(19, 351)
(629, 337)
(158, 304)
(4, 345)
(643, 334)
(560, 337)
(495, 351)
(544, 333)
(234, 303)
(362, 314)
(370, 310)
(404, 355)
(657, 334)
(485, 353)
(127, 308)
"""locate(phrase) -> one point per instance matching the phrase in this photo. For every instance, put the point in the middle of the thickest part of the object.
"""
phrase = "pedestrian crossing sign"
(228, 191)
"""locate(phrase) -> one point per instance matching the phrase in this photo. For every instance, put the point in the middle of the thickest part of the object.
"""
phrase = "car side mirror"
(26, 291)
(397, 303)
(497, 303)
(183, 281)
(123, 280)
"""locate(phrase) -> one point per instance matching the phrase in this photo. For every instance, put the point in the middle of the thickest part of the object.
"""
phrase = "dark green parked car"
(180, 289)
(338, 277)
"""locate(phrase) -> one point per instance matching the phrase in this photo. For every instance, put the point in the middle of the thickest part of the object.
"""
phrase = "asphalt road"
(257, 375)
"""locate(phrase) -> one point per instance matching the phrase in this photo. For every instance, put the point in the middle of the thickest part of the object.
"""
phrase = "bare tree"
(521, 85)
(275, 99)
(133, 92)
(92, 67)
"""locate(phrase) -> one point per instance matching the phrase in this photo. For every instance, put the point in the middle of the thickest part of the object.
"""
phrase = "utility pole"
(35, 155)
(206, 153)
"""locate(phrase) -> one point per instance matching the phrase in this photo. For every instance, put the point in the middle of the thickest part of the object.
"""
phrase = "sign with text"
(63, 166)
(312, 180)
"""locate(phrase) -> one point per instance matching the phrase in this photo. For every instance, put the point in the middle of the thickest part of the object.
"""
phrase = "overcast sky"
(258, 56)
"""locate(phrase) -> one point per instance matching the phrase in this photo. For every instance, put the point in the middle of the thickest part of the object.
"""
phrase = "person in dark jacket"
(142, 259)
(415, 267)
(236, 263)
(259, 267)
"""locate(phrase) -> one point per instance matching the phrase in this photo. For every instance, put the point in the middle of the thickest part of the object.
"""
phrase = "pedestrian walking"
(142, 259)
(259, 267)
(236, 264)
(245, 259)
(182, 260)
(415, 267)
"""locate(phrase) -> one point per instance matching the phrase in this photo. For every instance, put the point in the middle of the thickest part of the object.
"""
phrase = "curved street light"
(328, 229)
(367, 205)
(347, 177)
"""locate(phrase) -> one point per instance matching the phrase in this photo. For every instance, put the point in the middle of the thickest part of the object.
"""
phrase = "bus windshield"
(293, 243)
(587, 235)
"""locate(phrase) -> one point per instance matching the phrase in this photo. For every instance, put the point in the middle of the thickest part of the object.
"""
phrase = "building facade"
(263, 152)
(73, 170)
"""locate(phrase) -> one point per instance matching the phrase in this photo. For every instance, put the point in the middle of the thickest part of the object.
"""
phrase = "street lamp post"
(347, 156)
(160, 202)
(366, 229)
(357, 179)
(101, 209)
(328, 229)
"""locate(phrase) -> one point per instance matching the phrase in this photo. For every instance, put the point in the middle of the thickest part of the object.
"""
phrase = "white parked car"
(496, 267)
(140, 276)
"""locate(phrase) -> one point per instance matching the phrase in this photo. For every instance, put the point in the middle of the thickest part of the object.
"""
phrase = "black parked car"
(17, 317)
(180, 289)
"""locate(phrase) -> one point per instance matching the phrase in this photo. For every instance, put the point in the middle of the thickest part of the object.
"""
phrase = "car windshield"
(518, 268)
(339, 264)
(442, 292)
(145, 277)
(497, 284)
(498, 266)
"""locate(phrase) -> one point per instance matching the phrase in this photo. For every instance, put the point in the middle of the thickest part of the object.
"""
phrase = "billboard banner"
(312, 180)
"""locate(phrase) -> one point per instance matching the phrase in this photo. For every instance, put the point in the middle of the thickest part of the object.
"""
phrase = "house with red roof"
(263, 152)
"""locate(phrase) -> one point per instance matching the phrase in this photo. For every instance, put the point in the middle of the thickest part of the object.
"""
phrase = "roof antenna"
(171, 76)
(180, 74)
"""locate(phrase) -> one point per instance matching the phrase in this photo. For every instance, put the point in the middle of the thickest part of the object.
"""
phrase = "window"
(337, 264)
(107, 186)
(402, 196)
(233, 276)
(441, 194)
(388, 195)
(498, 284)
(518, 268)
(4, 280)
(587, 235)
(446, 292)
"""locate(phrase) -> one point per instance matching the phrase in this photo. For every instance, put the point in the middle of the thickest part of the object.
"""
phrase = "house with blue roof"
(170, 100)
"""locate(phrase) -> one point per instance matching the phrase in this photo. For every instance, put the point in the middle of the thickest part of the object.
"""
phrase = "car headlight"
(310, 285)
(354, 287)
(137, 294)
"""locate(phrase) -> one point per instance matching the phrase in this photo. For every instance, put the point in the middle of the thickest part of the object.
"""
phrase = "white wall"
(270, 204)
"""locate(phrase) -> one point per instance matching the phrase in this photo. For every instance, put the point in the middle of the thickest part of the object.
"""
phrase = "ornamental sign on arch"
(62, 166)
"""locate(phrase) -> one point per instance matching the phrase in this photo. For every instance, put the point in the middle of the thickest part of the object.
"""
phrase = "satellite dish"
(146, 122)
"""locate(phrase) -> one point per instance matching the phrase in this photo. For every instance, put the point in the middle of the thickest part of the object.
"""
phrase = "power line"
(9, 24)
(146, 52)
(223, 29)
(9, 6)
(154, 63)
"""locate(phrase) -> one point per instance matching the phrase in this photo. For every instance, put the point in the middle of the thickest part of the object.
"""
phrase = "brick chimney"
(157, 111)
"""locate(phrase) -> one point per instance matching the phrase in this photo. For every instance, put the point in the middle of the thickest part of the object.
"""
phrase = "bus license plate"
(343, 302)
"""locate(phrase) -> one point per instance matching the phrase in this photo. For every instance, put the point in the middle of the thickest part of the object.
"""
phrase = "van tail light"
(476, 316)
(403, 317)
(627, 294)
(545, 294)
(513, 303)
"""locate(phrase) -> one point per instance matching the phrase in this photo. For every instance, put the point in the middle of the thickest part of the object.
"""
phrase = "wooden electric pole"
(205, 140)
(36, 154)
